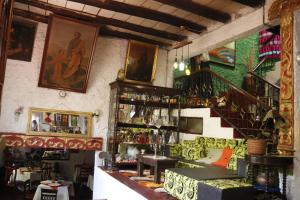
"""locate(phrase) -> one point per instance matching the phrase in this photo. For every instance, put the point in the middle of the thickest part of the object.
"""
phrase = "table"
(269, 162)
(63, 192)
(159, 163)
(24, 174)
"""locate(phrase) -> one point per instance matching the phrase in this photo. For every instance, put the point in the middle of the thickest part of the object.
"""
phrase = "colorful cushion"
(212, 156)
(176, 150)
(224, 159)
(193, 152)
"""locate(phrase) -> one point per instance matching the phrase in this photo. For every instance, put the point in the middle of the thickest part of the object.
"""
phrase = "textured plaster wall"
(21, 79)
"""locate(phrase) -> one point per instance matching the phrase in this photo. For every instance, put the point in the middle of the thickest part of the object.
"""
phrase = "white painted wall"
(211, 125)
(21, 79)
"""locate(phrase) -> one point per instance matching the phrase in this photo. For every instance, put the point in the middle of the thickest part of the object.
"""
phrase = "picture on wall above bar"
(141, 62)
(68, 53)
(22, 34)
(49, 122)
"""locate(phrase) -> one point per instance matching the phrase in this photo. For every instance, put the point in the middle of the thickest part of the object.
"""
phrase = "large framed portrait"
(68, 53)
(141, 62)
(22, 34)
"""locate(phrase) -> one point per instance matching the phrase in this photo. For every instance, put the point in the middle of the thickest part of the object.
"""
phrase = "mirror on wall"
(48, 122)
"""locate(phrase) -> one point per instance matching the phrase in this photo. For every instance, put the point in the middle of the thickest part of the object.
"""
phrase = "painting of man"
(21, 42)
(66, 62)
(141, 62)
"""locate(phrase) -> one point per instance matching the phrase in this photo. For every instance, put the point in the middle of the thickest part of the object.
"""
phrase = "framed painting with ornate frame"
(140, 62)
(66, 62)
(50, 122)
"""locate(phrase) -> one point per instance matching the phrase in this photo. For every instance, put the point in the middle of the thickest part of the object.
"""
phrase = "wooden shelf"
(127, 125)
(147, 103)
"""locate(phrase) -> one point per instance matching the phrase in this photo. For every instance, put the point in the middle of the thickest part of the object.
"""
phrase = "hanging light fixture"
(187, 69)
(175, 62)
(181, 64)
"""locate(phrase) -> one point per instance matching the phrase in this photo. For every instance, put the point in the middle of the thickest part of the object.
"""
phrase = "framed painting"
(224, 55)
(141, 62)
(22, 34)
(68, 53)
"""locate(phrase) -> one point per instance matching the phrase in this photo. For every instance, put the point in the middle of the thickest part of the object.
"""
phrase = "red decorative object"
(22, 140)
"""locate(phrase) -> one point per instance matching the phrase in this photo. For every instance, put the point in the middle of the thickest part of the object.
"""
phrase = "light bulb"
(181, 66)
(175, 64)
(187, 71)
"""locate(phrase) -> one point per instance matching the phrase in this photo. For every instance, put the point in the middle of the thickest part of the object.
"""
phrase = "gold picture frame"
(51, 122)
(141, 60)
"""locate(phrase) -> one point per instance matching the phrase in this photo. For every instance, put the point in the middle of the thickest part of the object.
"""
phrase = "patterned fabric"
(223, 184)
(181, 187)
(198, 148)
(185, 188)
(182, 164)
(238, 152)
(176, 150)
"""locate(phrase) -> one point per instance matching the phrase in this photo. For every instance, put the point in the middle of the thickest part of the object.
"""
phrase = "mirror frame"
(62, 134)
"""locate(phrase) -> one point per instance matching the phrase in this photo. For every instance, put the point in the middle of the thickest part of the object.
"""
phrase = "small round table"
(269, 162)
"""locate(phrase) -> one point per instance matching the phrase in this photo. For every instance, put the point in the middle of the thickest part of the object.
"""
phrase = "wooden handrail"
(243, 92)
(262, 79)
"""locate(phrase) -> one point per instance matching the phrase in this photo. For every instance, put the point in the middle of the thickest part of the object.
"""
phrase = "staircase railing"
(266, 91)
(238, 108)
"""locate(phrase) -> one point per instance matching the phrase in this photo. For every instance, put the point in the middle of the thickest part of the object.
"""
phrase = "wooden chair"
(29, 189)
(48, 194)
(9, 171)
(46, 171)
(84, 172)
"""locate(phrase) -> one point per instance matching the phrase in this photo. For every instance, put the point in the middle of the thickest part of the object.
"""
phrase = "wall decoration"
(22, 34)
(223, 55)
(49, 122)
(141, 62)
(68, 54)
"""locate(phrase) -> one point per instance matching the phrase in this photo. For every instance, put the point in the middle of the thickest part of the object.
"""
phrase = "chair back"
(46, 171)
(9, 172)
(84, 173)
(48, 194)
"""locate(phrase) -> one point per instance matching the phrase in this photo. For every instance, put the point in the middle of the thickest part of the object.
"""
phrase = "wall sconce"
(96, 114)
(298, 58)
(18, 112)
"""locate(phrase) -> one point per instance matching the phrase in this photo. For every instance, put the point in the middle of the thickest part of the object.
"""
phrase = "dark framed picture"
(64, 120)
(141, 62)
(22, 34)
(68, 53)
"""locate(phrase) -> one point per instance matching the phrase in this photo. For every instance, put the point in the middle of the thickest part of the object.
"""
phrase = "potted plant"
(257, 145)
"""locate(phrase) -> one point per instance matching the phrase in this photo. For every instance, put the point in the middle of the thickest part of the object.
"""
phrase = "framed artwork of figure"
(22, 34)
(141, 62)
(68, 53)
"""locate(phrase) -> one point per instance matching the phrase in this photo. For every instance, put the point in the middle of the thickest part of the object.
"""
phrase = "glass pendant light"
(181, 64)
(176, 62)
(187, 69)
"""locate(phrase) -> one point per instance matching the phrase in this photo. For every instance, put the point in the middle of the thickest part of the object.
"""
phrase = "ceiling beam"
(103, 31)
(252, 3)
(103, 20)
(198, 9)
(144, 13)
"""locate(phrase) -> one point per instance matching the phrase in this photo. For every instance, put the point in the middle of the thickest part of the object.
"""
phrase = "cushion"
(224, 159)
(212, 156)
(193, 152)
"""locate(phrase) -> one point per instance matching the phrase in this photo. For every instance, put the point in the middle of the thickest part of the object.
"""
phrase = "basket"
(256, 146)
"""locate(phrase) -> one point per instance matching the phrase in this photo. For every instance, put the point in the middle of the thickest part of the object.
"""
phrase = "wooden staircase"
(239, 109)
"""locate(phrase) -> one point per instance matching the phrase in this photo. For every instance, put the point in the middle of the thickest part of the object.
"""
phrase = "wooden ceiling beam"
(102, 31)
(252, 3)
(103, 20)
(144, 13)
(198, 9)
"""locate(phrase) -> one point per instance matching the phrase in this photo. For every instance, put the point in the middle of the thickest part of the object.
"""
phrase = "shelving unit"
(128, 101)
